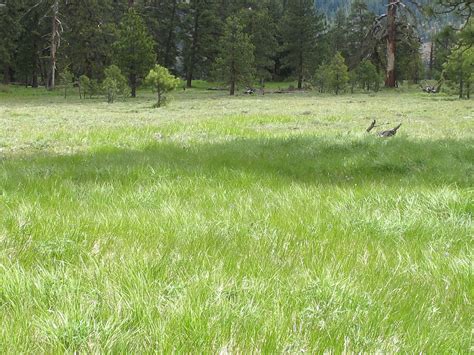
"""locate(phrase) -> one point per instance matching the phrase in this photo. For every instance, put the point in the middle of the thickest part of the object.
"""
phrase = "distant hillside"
(425, 28)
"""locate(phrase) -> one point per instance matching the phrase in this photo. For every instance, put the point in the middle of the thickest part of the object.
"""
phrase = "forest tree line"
(239, 42)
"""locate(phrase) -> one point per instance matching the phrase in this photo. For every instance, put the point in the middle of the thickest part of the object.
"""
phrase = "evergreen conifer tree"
(235, 63)
(300, 29)
(134, 49)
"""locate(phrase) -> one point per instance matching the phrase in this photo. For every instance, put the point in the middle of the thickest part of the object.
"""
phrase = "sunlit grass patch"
(269, 223)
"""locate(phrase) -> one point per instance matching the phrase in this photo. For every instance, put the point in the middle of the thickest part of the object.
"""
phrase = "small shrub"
(114, 84)
(338, 75)
(367, 76)
(67, 80)
(94, 88)
(162, 82)
(84, 85)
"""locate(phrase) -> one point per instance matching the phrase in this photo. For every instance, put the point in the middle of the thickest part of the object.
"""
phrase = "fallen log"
(390, 132)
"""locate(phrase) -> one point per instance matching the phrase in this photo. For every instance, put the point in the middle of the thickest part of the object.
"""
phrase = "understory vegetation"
(267, 223)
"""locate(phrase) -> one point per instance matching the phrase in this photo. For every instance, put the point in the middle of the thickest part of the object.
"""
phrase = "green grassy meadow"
(248, 224)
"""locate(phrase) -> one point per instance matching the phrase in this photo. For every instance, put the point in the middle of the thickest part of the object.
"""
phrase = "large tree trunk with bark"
(390, 79)
(54, 43)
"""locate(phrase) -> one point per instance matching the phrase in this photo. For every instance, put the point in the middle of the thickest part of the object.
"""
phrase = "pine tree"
(259, 25)
(409, 65)
(367, 76)
(235, 63)
(114, 84)
(134, 49)
(32, 47)
(9, 31)
(321, 77)
(444, 41)
(460, 69)
(67, 80)
(300, 29)
(162, 82)
(338, 34)
(338, 75)
(200, 32)
(359, 23)
(163, 18)
(89, 33)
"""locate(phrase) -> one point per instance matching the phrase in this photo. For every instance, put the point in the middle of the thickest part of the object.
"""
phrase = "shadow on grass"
(304, 160)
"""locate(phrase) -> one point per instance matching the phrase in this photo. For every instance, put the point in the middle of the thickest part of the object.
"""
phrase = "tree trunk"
(133, 85)
(189, 78)
(430, 73)
(159, 98)
(168, 58)
(190, 69)
(232, 76)
(390, 79)
(300, 71)
(461, 88)
(34, 74)
(54, 39)
(131, 3)
(44, 75)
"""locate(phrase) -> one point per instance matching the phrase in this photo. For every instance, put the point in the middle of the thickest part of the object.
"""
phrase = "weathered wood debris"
(432, 89)
(390, 132)
(386, 133)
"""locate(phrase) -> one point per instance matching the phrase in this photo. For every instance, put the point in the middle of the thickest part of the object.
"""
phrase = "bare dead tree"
(386, 28)
(390, 79)
(55, 43)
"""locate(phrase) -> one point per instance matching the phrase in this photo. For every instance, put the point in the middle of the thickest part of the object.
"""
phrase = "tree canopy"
(278, 39)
